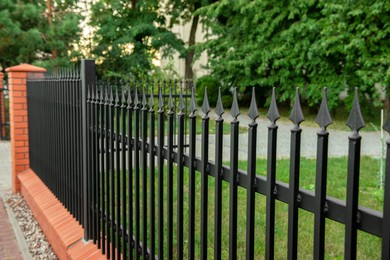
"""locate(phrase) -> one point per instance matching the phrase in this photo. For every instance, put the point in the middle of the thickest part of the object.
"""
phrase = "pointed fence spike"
(181, 101)
(296, 115)
(323, 118)
(101, 94)
(160, 99)
(123, 96)
(273, 112)
(136, 101)
(355, 120)
(192, 102)
(151, 101)
(170, 100)
(129, 101)
(106, 95)
(111, 95)
(219, 108)
(144, 101)
(89, 92)
(235, 110)
(253, 110)
(117, 95)
(206, 106)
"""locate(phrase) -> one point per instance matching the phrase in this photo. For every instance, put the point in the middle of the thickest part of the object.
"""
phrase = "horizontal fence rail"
(148, 194)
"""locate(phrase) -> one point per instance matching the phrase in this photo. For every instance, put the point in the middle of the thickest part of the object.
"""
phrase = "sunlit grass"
(370, 196)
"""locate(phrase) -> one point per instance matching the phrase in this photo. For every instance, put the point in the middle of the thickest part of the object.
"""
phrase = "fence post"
(17, 82)
(88, 78)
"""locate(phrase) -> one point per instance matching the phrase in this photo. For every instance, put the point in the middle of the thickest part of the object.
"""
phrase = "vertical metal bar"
(295, 154)
(204, 177)
(130, 173)
(103, 151)
(191, 184)
(233, 178)
(92, 170)
(123, 174)
(87, 78)
(250, 208)
(111, 114)
(117, 174)
(152, 176)
(108, 151)
(355, 122)
(170, 175)
(218, 179)
(97, 167)
(137, 172)
(386, 202)
(323, 120)
(160, 166)
(273, 116)
(180, 176)
(144, 112)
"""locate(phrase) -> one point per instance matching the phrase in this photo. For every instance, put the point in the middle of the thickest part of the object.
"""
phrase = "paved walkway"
(9, 247)
(338, 141)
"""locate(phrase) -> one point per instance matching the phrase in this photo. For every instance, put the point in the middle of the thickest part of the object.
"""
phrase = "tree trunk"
(189, 73)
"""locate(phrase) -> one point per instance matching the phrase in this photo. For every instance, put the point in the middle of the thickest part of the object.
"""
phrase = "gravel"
(36, 240)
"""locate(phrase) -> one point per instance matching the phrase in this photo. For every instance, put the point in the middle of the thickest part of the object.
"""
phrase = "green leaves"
(304, 43)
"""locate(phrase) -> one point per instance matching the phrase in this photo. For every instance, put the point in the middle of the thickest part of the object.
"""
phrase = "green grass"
(369, 196)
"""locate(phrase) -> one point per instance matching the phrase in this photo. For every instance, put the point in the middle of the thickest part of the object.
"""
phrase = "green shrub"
(212, 85)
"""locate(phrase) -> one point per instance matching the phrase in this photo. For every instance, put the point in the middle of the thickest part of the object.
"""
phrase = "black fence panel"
(137, 181)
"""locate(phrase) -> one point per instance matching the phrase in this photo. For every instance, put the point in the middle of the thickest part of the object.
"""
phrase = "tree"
(26, 35)
(129, 35)
(181, 12)
(305, 43)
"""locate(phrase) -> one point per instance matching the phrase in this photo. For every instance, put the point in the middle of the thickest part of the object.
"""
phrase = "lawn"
(369, 196)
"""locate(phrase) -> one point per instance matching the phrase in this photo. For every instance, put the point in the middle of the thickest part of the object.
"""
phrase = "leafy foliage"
(27, 37)
(305, 43)
(129, 35)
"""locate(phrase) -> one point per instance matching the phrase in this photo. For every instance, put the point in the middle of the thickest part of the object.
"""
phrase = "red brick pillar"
(17, 86)
(2, 107)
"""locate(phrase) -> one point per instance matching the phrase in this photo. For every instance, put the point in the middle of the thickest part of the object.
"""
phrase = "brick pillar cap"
(25, 68)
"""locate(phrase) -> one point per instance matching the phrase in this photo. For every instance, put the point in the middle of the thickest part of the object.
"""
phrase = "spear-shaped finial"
(253, 110)
(129, 101)
(296, 115)
(151, 101)
(170, 100)
(206, 106)
(144, 101)
(116, 96)
(192, 102)
(355, 120)
(219, 108)
(181, 106)
(323, 118)
(111, 96)
(123, 97)
(235, 110)
(136, 101)
(273, 112)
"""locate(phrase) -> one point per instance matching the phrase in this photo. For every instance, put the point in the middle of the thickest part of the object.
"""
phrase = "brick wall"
(17, 77)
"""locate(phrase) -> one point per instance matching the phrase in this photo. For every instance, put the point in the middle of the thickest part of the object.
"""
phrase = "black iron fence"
(4, 112)
(118, 161)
